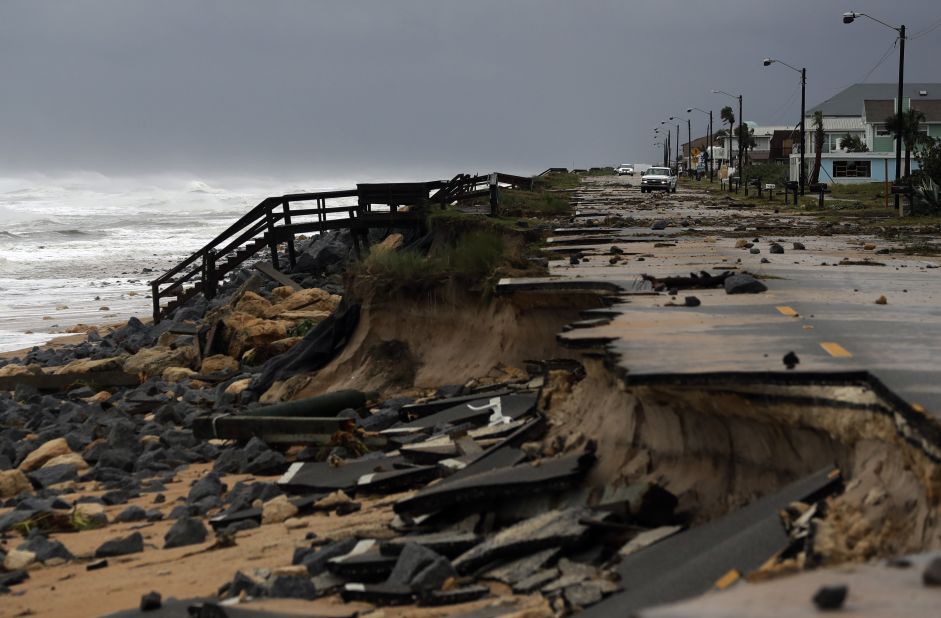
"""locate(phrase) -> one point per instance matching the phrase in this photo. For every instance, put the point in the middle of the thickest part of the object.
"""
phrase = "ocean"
(82, 249)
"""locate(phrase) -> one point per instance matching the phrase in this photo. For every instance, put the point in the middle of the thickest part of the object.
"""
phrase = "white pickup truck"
(658, 179)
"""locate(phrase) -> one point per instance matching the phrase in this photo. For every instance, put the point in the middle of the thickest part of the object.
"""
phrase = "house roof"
(848, 101)
(878, 111)
(931, 108)
(839, 123)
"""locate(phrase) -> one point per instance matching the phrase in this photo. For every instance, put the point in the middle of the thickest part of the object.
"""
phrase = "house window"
(852, 169)
(881, 131)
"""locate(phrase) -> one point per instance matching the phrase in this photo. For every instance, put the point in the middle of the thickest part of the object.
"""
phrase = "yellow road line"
(788, 311)
(835, 349)
(728, 579)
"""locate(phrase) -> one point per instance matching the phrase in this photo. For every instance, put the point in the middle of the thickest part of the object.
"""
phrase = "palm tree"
(819, 137)
(910, 123)
(853, 143)
(748, 142)
(727, 115)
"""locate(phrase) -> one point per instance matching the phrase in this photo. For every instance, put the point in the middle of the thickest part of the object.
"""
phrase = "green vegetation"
(301, 328)
(469, 259)
(766, 173)
(469, 249)
(533, 203)
(853, 143)
(556, 182)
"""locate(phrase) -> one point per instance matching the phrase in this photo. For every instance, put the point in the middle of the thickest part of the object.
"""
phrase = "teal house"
(861, 111)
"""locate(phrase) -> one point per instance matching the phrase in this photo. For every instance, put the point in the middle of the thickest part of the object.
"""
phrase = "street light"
(741, 140)
(708, 140)
(689, 142)
(803, 71)
(848, 18)
(666, 159)
(677, 159)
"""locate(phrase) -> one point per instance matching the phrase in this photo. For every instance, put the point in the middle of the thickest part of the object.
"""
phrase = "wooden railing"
(277, 220)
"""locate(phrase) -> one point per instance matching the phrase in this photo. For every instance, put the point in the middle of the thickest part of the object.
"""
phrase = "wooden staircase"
(274, 221)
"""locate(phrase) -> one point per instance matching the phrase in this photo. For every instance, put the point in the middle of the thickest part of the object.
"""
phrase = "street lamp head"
(849, 17)
(715, 92)
(689, 110)
(767, 62)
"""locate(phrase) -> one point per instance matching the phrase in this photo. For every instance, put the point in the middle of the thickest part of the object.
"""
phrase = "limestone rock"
(98, 397)
(277, 510)
(177, 374)
(12, 482)
(18, 559)
(72, 459)
(151, 362)
(282, 292)
(312, 299)
(87, 365)
(20, 370)
(390, 243)
(219, 362)
(238, 386)
(47, 451)
(253, 304)
(249, 332)
(92, 513)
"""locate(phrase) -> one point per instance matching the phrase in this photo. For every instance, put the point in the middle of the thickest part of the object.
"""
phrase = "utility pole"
(709, 151)
(677, 160)
(848, 18)
(898, 134)
(741, 146)
(803, 170)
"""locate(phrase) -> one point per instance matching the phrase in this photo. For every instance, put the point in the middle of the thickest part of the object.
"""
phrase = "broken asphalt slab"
(501, 483)
(690, 563)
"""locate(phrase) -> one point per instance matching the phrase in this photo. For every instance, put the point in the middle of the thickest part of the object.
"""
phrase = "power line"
(780, 110)
(925, 31)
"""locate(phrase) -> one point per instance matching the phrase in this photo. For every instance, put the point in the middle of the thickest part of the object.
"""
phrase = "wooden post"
(494, 196)
(209, 274)
(292, 254)
(885, 182)
(155, 296)
(272, 241)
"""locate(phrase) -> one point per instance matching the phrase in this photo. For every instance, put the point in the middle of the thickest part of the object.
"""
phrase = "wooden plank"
(64, 381)
(275, 429)
(269, 270)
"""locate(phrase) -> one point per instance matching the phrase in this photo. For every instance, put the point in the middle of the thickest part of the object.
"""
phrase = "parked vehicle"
(658, 179)
(625, 169)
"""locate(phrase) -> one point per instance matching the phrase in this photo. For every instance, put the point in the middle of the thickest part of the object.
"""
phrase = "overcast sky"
(419, 87)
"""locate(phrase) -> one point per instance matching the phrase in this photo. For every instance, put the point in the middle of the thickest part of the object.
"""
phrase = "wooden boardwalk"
(278, 220)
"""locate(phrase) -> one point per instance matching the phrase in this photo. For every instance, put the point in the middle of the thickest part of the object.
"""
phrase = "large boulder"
(310, 299)
(219, 362)
(253, 304)
(72, 459)
(389, 243)
(20, 370)
(12, 482)
(277, 509)
(177, 374)
(151, 362)
(87, 365)
(325, 254)
(46, 451)
(247, 332)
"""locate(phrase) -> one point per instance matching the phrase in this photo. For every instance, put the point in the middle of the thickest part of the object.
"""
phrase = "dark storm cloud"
(280, 86)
